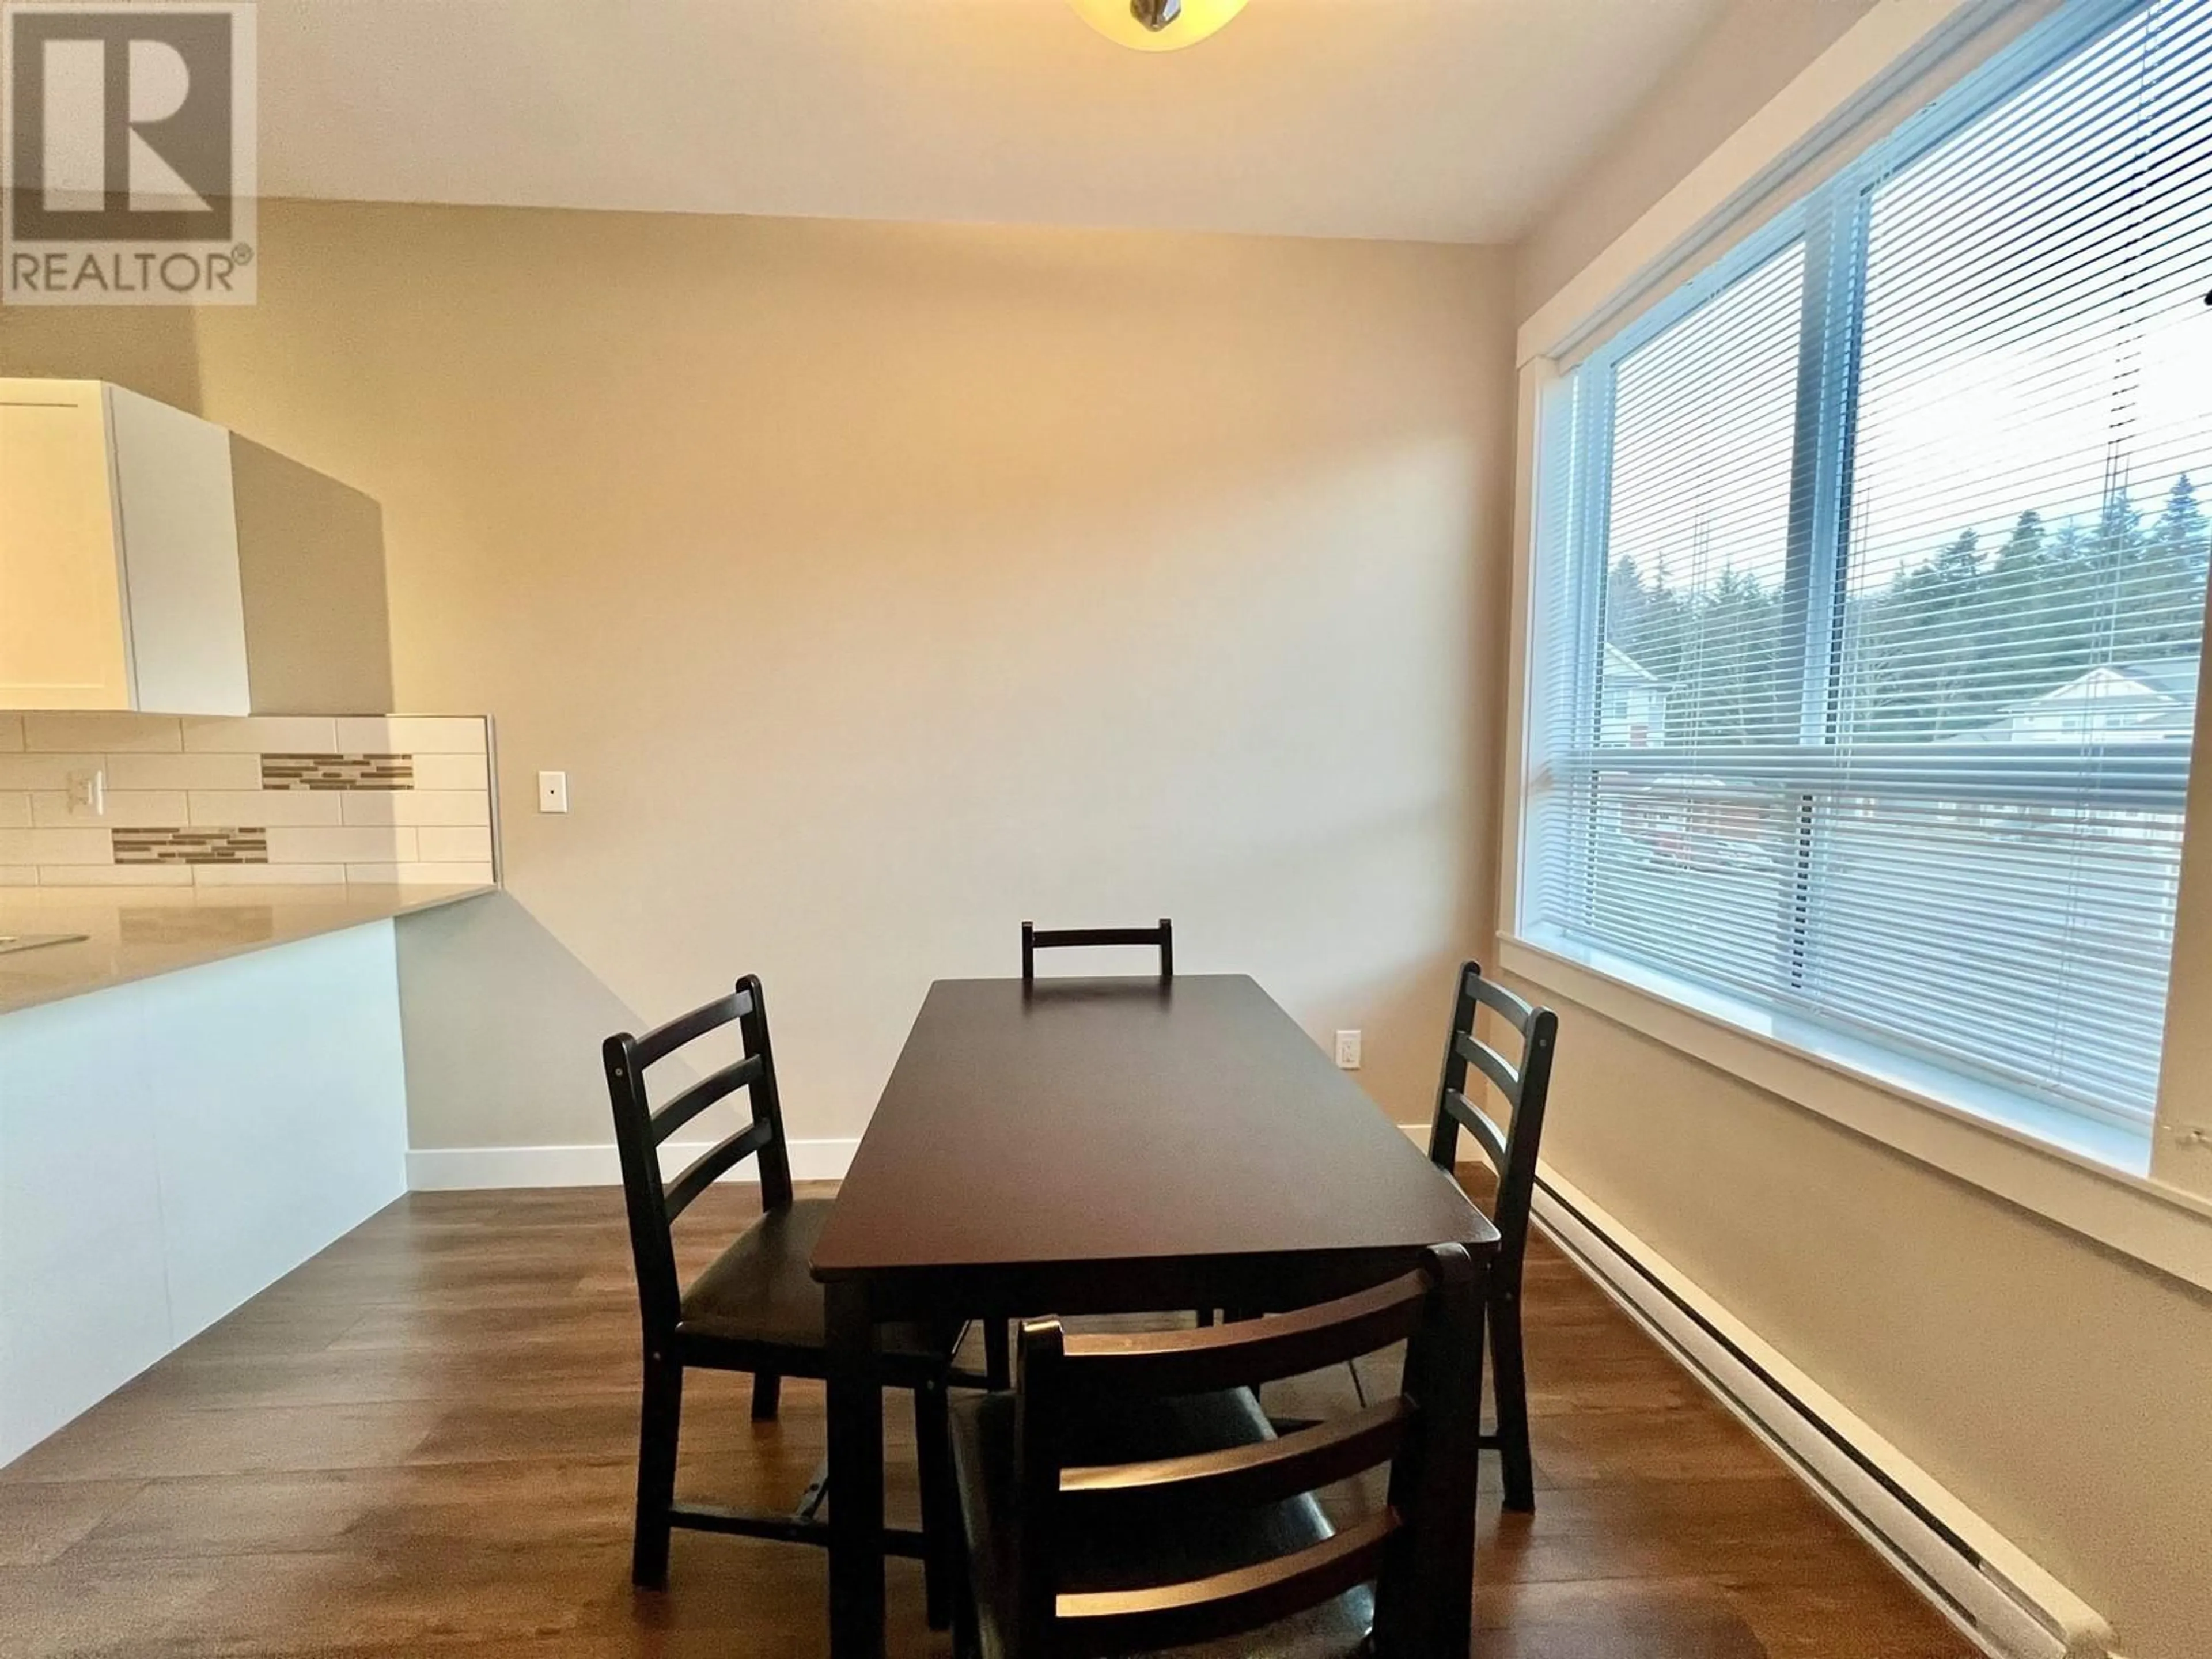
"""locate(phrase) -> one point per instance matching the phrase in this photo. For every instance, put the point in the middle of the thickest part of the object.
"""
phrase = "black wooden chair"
(756, 1307)
(1522, 1083)
(1131, 1495)
(1035, 939)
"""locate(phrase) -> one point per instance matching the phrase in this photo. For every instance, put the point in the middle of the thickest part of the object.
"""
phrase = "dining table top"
(1094, 1120)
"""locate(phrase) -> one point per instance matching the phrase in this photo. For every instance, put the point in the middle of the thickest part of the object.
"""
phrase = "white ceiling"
(1444, 120)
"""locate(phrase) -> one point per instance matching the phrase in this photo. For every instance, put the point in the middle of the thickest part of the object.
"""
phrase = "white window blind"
(1873, 581)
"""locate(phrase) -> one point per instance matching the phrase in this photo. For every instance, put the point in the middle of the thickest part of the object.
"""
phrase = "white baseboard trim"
(1982, 1582)
(463, 1169)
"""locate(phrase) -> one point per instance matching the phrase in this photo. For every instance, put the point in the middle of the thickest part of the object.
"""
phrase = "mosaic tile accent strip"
(179, 845)
(338, 771)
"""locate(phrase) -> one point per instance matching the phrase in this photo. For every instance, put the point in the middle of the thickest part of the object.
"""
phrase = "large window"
(1872, 581)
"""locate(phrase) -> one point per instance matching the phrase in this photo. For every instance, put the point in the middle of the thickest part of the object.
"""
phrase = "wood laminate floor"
(421, 1443)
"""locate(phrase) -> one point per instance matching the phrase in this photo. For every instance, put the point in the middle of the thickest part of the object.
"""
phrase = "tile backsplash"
(292, 799)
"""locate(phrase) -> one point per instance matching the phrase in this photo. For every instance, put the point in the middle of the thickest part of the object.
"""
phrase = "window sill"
(2087, 1177)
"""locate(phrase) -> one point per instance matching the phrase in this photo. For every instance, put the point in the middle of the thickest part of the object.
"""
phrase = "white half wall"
(171, 1147)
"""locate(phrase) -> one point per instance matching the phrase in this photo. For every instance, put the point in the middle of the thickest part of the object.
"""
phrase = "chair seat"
(1189, 1545)
(762, 1291)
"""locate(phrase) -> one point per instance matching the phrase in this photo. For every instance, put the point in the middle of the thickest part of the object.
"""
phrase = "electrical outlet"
(88, 794)
(1347, 1050)
(552, 791)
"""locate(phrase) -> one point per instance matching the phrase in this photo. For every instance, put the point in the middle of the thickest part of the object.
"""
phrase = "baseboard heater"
(1998, 1597)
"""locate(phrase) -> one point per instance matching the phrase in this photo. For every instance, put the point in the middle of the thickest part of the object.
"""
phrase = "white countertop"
(133, 933)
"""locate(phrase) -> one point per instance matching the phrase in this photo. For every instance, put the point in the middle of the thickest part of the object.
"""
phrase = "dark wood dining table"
(1102, 1146)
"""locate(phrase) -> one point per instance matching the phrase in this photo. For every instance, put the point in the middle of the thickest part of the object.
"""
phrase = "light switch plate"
(88, 794)
(552, 791)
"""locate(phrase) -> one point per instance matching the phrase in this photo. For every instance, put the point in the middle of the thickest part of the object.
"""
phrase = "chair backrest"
(655, 1202)
(1414, 1551)
(1522, 1083)
(1035, 939)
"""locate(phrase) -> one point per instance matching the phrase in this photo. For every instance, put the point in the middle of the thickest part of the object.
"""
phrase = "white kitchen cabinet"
(119, 554)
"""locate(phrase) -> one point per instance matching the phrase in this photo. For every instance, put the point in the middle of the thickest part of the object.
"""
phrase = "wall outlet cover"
(88, 794)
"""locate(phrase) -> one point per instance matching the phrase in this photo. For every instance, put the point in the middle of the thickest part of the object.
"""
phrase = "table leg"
(856, 1477)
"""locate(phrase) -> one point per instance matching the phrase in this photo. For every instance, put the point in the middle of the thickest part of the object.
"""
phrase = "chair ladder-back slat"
(713, 1164)
(1244, 1353)
(1477, 1123)
(1517, 1011)
(1503, 1075)
(1035, 939)
(663, 1040)
(716, 1086)
(1102, 1622)
(1265, 1471)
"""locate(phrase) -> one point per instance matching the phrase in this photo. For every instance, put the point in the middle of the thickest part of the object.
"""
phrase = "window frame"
(2006, 1144)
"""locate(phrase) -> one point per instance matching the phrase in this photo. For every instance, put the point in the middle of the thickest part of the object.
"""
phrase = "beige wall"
(2057, 1388)
(878, 587)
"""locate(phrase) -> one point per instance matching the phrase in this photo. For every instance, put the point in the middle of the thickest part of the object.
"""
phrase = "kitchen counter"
(134, 933)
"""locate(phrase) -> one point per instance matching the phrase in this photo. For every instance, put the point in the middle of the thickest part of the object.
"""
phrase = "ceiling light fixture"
(1157, 25)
